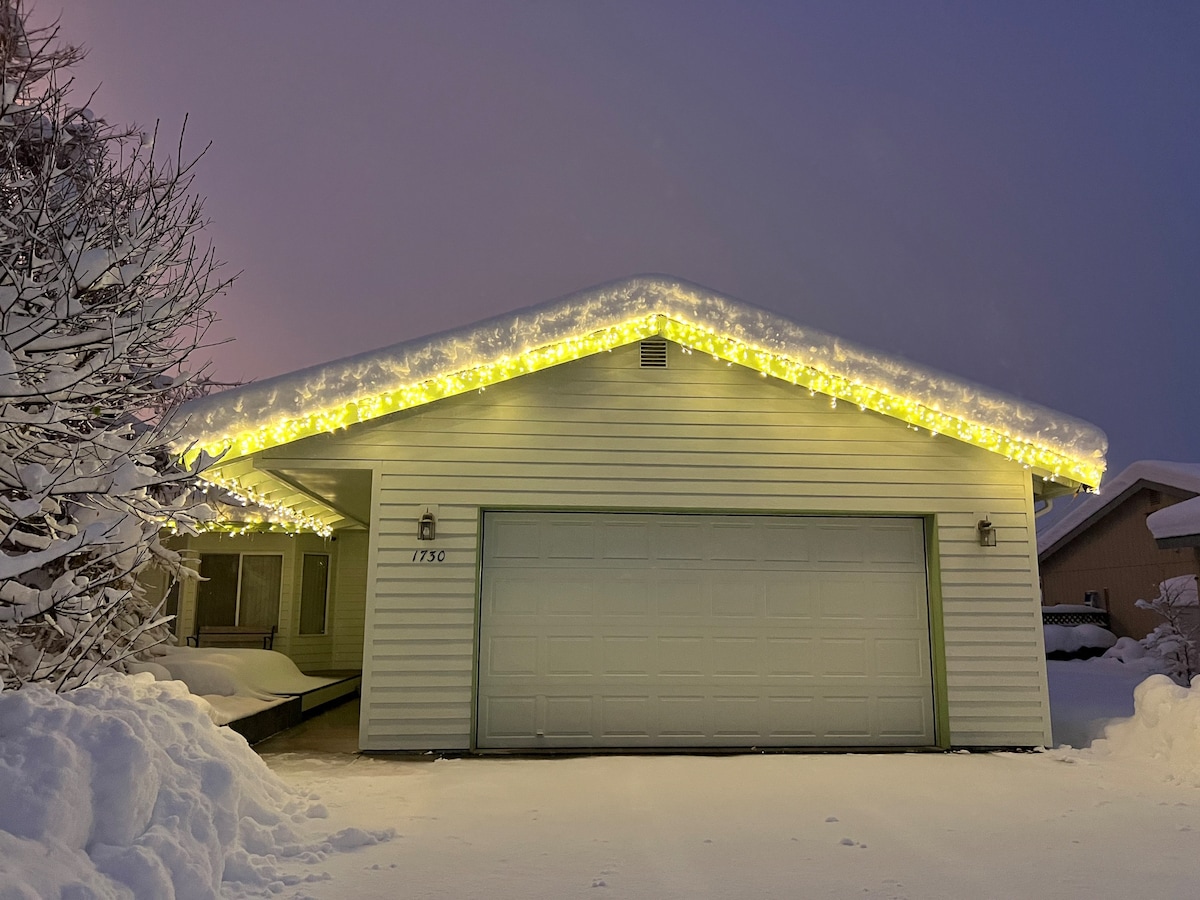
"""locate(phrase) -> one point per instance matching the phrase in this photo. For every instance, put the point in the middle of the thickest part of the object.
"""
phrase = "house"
(1104, 552)
(648, 516)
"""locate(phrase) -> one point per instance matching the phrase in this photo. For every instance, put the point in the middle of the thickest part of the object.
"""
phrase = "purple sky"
(1009, 192)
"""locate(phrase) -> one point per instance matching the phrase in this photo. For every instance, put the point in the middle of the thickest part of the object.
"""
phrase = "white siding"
(602, 434)
(349, 600)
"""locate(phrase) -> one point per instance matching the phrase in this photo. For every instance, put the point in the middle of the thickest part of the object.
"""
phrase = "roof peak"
(337, 393)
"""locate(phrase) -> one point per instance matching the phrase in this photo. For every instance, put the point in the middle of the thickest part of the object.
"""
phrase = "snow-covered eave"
(333, 396)
(1177, 525)
(1181, 480)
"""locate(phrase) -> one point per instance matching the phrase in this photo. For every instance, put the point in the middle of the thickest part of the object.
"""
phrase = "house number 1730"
(429, 556)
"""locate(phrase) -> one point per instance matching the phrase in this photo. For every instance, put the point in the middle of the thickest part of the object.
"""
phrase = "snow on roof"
(1183, 476)
(1180, 520)
(333, 395)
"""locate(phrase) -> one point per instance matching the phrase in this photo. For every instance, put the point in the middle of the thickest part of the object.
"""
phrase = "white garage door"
(614, 630)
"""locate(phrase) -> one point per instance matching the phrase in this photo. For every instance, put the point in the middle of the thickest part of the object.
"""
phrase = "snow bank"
(234, 682)
(1164, 731)
(1073, 638)
(125, 789)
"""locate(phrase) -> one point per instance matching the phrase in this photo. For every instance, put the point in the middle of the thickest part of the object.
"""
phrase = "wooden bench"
(232, 636)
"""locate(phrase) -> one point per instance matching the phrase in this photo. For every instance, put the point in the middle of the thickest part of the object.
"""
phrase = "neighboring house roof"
(1146, 473)
(333, 395)
(1176, 526)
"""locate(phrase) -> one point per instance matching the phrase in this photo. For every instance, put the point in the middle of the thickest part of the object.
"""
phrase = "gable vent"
(654, 353)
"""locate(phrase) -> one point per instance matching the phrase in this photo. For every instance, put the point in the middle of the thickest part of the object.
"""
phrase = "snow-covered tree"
(1176, 641)
(104, 285)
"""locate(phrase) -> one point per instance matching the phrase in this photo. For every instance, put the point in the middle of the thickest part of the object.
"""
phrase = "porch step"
(348, 684)
(297, 707)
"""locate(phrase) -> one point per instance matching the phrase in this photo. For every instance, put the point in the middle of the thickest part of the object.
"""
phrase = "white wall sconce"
(426, 527)
(987, 532)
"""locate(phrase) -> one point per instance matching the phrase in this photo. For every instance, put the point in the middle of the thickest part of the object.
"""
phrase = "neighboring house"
(1176, 526)
(646, 515)
(1103, 551)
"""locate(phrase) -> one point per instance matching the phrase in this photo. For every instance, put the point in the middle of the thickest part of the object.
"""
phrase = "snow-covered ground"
(1106, 823)
(1117, 820)
(100, 799)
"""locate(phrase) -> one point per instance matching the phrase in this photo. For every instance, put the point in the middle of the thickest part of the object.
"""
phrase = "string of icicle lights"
(272, 516)
(1051, 464)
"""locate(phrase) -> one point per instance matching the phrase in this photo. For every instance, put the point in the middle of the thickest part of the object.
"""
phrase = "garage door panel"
(570, 598)
(625, 716)
(571, 541)
(897, 546)
(624, 541)
(627, 656)
(681, 597)
(568, 655)
(791, 719)
(847, 717)
(520, 539)
(676, 541)
(839, 543)
(738, 716)
(510, 718)
(512, 656)
(786, 599)
(790, 657)
(901, 717)
(684, 716)
(569, 717)
(899, 658)
(842, 657)
(736, 657)
(513, 597)
(734, 541)
(657, 641)
(680, 656)
(790, 544)
(736, 599)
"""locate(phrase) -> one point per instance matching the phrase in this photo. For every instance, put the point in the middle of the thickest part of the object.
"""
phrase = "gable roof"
(336, 394)
(1151, 473)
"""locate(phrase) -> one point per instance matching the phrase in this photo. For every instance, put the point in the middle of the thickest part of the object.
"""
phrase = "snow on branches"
(1176, 640)
(103, 292)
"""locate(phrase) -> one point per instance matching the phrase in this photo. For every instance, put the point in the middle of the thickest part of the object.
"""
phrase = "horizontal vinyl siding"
(699, 436)
(349, 600)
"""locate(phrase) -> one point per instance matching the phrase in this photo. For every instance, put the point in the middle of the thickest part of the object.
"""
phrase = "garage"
(613, 630)
(648, 515)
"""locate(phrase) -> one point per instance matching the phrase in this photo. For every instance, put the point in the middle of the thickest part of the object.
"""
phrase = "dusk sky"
(1006, 191)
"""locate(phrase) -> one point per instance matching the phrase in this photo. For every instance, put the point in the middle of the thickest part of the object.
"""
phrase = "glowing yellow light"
(271, 516)
(816, 378)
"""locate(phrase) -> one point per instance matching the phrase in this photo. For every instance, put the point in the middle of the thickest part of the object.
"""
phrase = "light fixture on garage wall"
(987, 532)
(426, 527)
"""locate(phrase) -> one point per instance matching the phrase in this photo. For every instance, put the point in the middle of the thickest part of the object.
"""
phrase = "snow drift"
(1163, 732)
(125, 789)
(234, 682)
